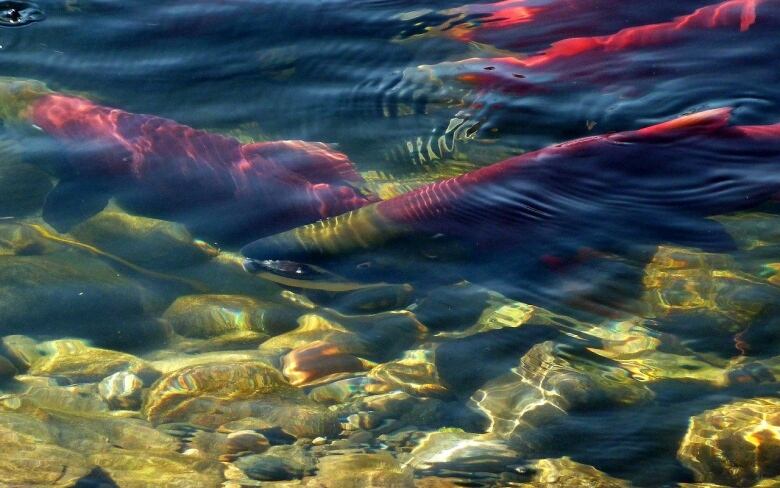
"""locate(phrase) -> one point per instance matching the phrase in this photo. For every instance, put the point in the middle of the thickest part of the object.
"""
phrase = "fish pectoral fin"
(72, 202)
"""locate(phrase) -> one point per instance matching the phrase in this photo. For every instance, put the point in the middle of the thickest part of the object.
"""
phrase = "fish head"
(17, 96)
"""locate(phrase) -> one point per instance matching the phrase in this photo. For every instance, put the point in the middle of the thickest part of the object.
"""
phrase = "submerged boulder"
(152, 243)
(79, 363)
(72, 294)
(213, 394)
(206, 316)
(550, 381)
(737, 444)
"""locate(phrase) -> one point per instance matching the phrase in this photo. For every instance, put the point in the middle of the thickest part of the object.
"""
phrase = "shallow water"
(603, 313)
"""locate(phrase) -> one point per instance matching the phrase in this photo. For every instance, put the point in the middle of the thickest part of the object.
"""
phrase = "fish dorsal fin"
(706, 121)
(313, 161)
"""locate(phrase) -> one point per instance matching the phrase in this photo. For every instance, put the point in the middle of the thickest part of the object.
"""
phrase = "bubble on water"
(16, 14)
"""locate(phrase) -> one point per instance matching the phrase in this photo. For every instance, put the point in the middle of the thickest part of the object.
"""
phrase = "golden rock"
(686, 283)
(319, 359)
(565, 473)
(79, 362)
(414, 373)
(150, 243)
(142, 469)
(380, 470)
(551, 381)
(225, 381)
(737, 444)
(205, 316)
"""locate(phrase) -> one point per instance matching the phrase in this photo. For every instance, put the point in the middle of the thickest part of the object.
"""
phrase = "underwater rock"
(169, 361)
(565, 473)
(7, 369)
(224, 274)
(452, 307)
(21, 350)
(466, 457)
(373, 411)
(169, 396)
(31, 457)
(71, 294)
(232, 341)
(314, 327)
(205, 316)
(345, 390)
(319, 359)
(122, 390)
(53, 398)
(696, 294)
(414, 373)
(373, 299)
(79, 363)
(26, 238)
(141, 469)
(152, 243)
(226, 447)
(550, 381)
(736, 444)
(465, 364)
(279, 463)
(213, 394)
(23, 187)
(360, 470)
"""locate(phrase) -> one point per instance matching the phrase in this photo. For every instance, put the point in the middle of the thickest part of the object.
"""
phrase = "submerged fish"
(220, 188)
(528, 24)
(570, 57)
(605, 192)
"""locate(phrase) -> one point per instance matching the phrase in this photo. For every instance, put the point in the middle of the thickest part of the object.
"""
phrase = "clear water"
(654, 284)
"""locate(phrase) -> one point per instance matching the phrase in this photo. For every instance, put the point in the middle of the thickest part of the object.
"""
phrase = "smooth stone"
(362, 470)
(246, 380)
(7, 369)
(550, 381)
(26, 238)
(69, 399)
(467, 363)
(232, 341)
(169, 361)
(211, 395)
(31, 457)
(373, 299)
(312, 328)
(206, 316)
(704, 297)
(279, 463)
(142, 469)
(122, 390)
(565, 473)
(737, 444)
(227, 447)
(461, 455)
(72, 294)
(23, 187)
(452, 307)
(346, 390)
(414, 373)
(150, 243)
(224, 274)
(319, 359)
(77, 361)
(21, 350)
